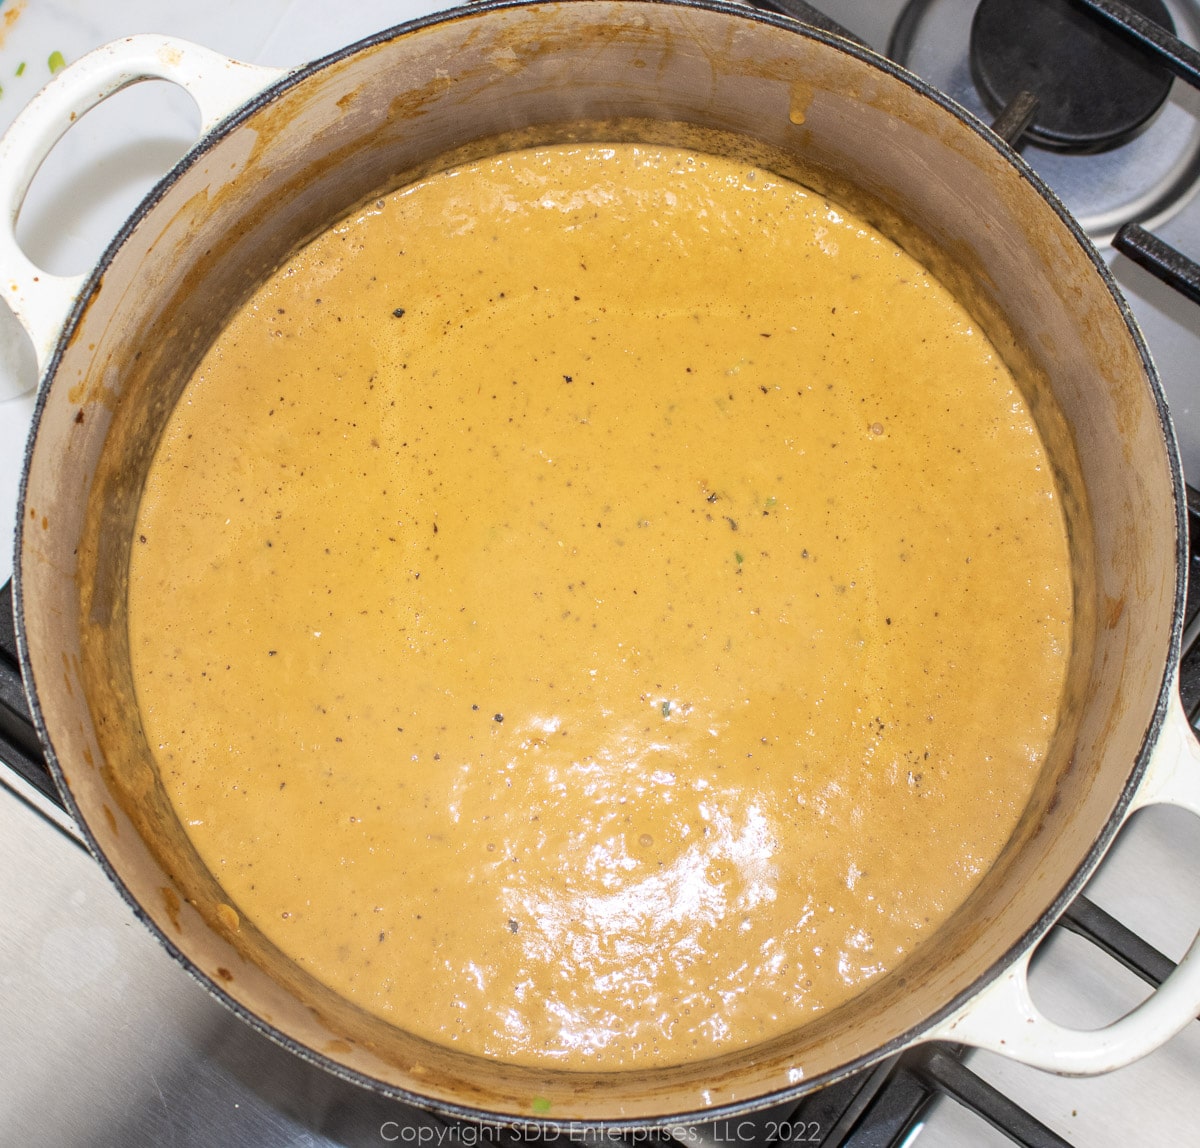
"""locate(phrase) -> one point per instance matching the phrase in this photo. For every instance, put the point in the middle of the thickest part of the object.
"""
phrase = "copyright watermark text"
(468, 1135)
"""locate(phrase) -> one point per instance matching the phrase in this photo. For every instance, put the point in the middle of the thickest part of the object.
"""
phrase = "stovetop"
(106, 1041)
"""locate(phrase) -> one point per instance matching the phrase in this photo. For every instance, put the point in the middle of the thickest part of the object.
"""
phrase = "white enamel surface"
(219, 85)
(1004, 1017)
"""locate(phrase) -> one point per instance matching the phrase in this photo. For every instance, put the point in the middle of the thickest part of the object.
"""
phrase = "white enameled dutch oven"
(284, 154)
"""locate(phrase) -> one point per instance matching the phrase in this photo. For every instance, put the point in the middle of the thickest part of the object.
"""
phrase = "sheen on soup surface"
(600, 606)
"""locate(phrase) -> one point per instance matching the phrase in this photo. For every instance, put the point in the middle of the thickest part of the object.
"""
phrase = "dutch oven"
(285, 153)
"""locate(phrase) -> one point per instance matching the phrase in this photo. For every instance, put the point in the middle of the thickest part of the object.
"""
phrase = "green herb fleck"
(541, 1104)
(56, 62)
(739, 556)
(666, 709)
(21, 68)
(770, 503)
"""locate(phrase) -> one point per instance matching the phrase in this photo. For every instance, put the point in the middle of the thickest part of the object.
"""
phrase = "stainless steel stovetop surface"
(106, 1042)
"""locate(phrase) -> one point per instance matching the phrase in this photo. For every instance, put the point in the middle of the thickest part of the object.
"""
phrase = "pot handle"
(1004, 1018)
(218, 84)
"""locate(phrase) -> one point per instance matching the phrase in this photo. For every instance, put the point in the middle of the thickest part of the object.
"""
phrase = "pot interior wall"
(374, 119)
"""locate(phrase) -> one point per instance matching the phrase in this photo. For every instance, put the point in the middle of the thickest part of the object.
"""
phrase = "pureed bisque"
(600, 606)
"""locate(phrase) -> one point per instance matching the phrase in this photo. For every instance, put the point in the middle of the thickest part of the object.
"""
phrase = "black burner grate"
(19, 745)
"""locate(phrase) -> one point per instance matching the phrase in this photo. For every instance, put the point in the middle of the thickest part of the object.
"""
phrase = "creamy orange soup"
(600, 606)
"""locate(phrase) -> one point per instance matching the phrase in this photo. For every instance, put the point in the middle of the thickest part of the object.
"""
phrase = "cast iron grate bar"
(19, 745)
(950, 1076)
(1017, 115)
(1169, 50)
(892, 1114)
(888, 1103)
(1132, 240)
(1189, 663)
(1086, 919)
(838, 1110)
(1163, 261)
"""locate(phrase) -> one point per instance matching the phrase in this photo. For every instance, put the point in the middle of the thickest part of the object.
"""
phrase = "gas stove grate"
(1164, 262)
(19, 747)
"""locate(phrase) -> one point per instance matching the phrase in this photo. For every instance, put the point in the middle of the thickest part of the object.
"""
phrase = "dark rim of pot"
(1023, 943)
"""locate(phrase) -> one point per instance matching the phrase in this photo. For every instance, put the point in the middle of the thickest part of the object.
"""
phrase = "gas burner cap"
(1095, 89)
(1149, 178)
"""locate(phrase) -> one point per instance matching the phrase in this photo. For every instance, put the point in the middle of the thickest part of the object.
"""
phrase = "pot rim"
(1023, 943)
